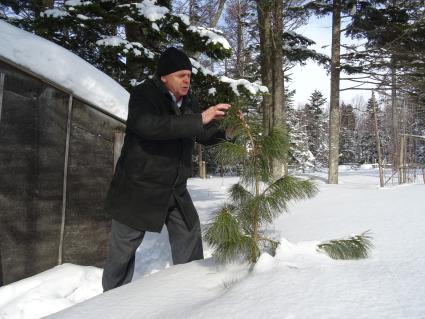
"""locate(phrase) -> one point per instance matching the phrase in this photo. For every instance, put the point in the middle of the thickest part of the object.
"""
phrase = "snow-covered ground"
(298, 282)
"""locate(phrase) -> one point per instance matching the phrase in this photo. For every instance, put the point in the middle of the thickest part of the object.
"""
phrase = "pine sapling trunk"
(256, 219)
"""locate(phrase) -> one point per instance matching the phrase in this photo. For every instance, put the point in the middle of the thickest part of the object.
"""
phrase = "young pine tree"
(238, 229)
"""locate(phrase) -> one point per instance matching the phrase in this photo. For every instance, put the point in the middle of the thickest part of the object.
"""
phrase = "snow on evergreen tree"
(300, 156)
(126, 37)
(366, 144)
(316, 123)
(366, 141)
(347, 139)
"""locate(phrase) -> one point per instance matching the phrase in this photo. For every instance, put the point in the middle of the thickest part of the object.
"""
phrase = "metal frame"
(2, 76)
(59, 87)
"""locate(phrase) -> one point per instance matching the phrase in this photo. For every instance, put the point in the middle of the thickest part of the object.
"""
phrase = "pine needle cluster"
(238, 228)
(355, 247)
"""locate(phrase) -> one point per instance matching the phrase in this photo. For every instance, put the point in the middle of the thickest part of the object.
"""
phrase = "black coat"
(156, 158)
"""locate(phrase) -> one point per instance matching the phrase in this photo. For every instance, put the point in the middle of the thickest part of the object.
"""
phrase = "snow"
(196, 66)
(300, 36)
(151, 11)
(59, 65)
(75, 3)
(298, 282)
(253, 88)
(117, 41)
(184, 18)
(113, 41)
(54, 13)
(213, 35)
(155, 27)
(50, 291)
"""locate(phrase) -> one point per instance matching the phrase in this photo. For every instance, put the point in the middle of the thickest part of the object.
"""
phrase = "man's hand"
(215, 112)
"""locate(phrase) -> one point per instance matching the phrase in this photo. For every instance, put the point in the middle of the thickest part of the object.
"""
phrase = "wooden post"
(204, 170)
(402, 160)
(65, 177)
(378, 142)
(200, 160)
(423, 175)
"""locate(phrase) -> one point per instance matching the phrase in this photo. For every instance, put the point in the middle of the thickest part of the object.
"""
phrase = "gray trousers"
(119, 266)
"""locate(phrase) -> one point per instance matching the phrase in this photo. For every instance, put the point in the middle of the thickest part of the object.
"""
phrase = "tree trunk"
(270, 21)
(395, 117)
(280, 167)
(199, 147)
(192, 17)
(217, 15)
(378, 142)
(266, 48)
(334, 118)
(239, 44)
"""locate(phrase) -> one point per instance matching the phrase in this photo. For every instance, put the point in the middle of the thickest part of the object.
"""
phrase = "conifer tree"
(124, 38)
(367, 143)
(316, 127)
(239, 228)
(257, 199)
(300, 156)
(347, 139)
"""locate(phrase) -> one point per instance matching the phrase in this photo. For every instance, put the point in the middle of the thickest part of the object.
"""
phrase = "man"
(148, 189)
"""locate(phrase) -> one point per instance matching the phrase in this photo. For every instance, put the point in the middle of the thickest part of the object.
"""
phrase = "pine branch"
(355, 247)
(226, 237)
(239, 194)
(229, 153)
(274, 145)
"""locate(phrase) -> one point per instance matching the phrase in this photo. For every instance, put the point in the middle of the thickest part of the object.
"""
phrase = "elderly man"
(148, 189)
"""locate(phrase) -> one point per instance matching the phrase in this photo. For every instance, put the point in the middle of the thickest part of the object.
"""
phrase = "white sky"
(308, 78)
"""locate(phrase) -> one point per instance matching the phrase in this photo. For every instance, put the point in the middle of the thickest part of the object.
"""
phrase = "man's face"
(177, 83)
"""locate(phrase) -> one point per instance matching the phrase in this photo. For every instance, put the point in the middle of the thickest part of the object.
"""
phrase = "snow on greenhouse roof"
(63, 68)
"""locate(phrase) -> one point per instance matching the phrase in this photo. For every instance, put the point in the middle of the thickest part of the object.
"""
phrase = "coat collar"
(185, 107)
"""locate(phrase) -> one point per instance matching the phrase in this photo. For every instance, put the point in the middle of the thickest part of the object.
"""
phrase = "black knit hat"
(172, 60)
